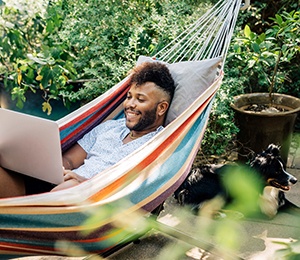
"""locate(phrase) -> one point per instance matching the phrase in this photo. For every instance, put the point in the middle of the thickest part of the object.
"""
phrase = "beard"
(146, 120)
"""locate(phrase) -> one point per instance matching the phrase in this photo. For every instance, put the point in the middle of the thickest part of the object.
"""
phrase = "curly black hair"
(155, 72)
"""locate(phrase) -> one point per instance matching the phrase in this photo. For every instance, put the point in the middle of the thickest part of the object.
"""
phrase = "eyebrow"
(138, 93)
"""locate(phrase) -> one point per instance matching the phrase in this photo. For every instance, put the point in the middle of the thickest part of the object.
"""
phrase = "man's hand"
(69, 175)
(71, 179)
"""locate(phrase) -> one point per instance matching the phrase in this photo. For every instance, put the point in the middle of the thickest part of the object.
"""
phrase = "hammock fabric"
(31, 225)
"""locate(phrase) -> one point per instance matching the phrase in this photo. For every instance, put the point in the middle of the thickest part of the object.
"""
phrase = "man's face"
(140, 106)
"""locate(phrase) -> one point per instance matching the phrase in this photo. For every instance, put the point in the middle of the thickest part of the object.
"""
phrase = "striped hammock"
(32, 225)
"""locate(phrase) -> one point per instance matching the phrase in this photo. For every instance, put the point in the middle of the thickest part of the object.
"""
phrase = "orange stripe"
(113, 232)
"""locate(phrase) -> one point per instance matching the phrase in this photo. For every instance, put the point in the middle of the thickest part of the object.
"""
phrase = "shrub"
(270, 58)
(31, 59)
(107, 37)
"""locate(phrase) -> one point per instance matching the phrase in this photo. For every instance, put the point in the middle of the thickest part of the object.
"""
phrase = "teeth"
(131, 113)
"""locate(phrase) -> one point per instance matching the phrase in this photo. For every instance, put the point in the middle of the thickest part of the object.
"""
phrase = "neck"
(132, 136)
(136, 134)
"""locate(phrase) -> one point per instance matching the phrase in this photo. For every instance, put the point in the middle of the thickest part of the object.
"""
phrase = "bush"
(250, 58)
(268, 59)
(107, 37)
(31, 59)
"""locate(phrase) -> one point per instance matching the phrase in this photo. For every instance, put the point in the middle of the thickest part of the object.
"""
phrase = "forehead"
(146, 89)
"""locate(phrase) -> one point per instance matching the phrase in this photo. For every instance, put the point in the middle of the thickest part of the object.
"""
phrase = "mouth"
(130, 114)
(279, 186)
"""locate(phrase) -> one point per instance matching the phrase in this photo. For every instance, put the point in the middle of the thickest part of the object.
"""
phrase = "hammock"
(31, 225)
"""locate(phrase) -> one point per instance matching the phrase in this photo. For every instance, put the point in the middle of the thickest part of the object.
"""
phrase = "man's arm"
(74, 157)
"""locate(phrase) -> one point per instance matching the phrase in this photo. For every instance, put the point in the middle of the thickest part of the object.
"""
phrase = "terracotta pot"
(258, 130)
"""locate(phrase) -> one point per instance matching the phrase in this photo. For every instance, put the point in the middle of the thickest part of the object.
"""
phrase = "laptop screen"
(30, 145)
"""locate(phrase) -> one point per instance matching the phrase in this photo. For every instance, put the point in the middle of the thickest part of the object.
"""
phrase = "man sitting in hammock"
(145, 107)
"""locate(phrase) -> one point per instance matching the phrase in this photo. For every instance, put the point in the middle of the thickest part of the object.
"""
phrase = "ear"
(162, 108)
(273, 149)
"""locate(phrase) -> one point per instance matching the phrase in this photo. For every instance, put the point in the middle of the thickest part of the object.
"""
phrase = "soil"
(266, 108)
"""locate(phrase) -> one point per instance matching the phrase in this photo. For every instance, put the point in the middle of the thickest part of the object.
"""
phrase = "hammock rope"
(208, 37)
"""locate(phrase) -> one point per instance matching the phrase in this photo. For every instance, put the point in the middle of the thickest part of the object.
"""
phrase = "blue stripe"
(41, 221)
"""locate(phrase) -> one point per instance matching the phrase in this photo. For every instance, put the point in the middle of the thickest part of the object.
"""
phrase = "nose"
(129, 103)
(293, 180)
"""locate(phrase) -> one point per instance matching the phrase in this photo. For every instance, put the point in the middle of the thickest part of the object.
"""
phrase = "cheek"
(125, 103)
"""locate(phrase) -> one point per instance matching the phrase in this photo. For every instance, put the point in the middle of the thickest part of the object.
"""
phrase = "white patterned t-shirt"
(104, 146)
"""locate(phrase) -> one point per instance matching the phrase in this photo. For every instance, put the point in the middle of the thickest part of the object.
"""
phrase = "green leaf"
(255, 47)
(261, 38)
(50, 27)
(18, 94)
(36, 59)
(247, 32)
(30, 74)
(278, 19)
(46, 72)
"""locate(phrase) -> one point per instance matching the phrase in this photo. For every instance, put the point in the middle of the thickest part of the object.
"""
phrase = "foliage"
(268, 59)
(221, 128)
(108, 36)
(249, 67)
(258, 15)
(95, 40)
(30, 59)
(101, 40)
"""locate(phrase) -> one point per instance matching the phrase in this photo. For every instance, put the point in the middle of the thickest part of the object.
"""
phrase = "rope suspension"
(208, 37)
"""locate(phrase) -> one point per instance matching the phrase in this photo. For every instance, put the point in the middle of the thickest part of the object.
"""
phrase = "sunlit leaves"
(18, 94)
(19, 77)
(46, 107)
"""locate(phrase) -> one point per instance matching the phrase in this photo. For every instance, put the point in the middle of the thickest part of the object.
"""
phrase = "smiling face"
(145, 107)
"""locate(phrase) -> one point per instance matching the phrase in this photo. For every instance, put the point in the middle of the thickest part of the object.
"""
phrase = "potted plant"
(266, 59)
(36, 71)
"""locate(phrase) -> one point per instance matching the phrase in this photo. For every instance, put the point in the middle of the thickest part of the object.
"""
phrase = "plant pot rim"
(294, 103)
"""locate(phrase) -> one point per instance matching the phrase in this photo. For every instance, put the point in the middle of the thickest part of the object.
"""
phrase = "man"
(145, 107)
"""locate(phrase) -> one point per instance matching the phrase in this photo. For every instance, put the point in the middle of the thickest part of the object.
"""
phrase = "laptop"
(30, 145)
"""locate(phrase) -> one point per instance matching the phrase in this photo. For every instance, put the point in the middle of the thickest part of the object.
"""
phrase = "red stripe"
(24, 248)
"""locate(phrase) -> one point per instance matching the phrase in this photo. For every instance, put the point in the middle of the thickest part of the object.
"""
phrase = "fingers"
(65, 172)
(69, 175)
